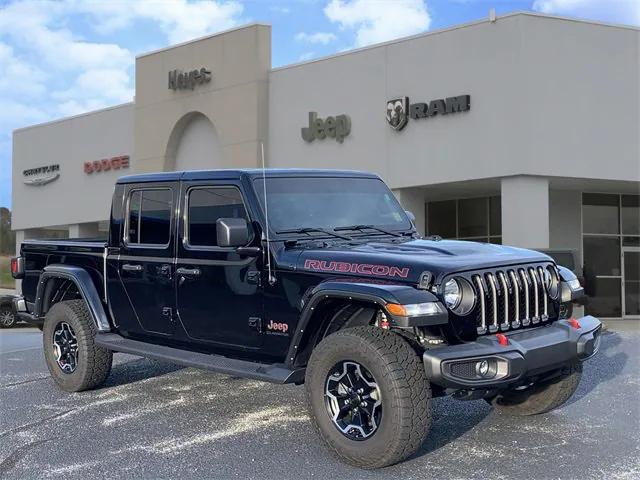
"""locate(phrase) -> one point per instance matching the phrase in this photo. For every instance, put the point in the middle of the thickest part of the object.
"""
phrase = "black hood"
(407, 260)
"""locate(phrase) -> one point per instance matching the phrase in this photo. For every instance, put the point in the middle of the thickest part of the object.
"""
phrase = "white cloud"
(616, 11)
(53, 64)
(322, 38)
(379, 21)
(180, 20)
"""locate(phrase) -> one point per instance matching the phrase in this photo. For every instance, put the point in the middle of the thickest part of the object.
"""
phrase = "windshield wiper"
(309, 230)
(368, 227)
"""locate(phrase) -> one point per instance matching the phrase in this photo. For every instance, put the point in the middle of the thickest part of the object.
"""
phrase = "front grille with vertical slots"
(512, 298)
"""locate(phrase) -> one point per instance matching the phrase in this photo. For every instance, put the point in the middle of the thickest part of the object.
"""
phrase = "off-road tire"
(8, 317)
(94, 362)
(540, 398)
(405, 394)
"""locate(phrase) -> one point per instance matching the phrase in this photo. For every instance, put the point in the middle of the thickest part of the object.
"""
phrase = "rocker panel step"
(274, 373)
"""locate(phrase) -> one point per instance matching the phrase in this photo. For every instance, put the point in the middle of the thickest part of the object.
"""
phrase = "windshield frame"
(257, 187)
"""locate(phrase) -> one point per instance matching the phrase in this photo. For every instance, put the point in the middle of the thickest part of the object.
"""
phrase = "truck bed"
(82, 252)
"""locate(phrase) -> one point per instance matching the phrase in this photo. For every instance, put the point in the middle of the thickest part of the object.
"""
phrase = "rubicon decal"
(277, 327)
(361, 268)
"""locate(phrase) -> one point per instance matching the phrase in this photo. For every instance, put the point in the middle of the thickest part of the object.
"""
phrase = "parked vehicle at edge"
(7, 315)
(335, 290)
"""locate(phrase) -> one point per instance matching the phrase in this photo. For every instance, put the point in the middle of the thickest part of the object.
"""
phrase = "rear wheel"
(539, 398)
(73, 359)
(7, 317)
(368, 396)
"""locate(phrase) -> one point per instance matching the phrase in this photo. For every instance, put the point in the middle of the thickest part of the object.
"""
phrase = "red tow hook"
(502, 339)
(574, 323)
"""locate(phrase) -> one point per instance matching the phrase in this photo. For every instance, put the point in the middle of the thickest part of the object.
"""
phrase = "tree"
(7, 237)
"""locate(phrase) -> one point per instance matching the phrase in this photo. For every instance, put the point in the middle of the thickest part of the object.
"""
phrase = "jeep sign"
(335, 127)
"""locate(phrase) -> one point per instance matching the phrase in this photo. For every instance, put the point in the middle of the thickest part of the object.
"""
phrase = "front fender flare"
(85, 285)
(379, 294)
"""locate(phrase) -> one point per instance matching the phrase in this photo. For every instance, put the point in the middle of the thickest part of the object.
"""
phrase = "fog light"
(486, 368)
(482, 368)
(479, 369)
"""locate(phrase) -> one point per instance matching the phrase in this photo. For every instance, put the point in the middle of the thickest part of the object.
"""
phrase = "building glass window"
(472, 218)
(206, 206)
(610, 254)
(630, 215)
(149, 218)
(476, 219)
(632, 282)
(495, 216)
(600, 213)
(442, 218)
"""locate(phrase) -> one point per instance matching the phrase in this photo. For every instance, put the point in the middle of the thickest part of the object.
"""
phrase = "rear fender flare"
(85, 285)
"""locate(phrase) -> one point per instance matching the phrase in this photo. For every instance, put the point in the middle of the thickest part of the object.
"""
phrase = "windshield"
(328, 203)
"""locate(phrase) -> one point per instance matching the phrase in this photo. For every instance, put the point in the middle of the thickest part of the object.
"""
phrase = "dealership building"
(522, 130)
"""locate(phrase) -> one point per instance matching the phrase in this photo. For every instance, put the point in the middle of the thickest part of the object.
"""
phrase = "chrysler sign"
(41, 175)
(399, 110)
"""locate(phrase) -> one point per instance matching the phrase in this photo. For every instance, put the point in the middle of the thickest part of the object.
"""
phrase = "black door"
(219, 300)
(146, 257)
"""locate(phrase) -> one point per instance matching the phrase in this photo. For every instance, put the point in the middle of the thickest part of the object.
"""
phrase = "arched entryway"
(193, 144)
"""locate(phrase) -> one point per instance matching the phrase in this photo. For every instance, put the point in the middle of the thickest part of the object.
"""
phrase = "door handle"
(188, 272)
(131, 268)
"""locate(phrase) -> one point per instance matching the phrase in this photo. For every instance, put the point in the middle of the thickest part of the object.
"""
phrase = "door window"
(149, 217)
(205, 206)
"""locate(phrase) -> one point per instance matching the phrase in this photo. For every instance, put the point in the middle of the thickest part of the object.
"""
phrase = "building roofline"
(204, 37)
(452, 28)
(73, 117)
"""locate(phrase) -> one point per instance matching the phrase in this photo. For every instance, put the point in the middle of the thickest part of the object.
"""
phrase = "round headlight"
(552, 282)
(452, 294)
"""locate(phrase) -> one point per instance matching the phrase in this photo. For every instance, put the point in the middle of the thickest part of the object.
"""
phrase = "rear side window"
(149, 218)
(205, 206)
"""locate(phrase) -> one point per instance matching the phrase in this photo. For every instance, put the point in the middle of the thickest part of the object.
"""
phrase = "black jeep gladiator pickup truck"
(314, 277)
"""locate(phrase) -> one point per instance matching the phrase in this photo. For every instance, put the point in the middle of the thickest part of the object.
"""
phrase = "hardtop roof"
(234, 174)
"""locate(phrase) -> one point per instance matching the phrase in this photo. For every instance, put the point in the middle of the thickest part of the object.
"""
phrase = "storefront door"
(631, 282)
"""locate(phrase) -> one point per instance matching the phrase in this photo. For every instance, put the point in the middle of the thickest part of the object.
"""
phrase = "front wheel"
(75, 362)
(539, 398)
(368, 396)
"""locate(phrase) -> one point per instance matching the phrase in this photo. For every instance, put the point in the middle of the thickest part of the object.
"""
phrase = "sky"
(65, 57)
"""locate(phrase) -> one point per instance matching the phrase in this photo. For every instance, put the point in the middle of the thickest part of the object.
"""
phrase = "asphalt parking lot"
(156, 420)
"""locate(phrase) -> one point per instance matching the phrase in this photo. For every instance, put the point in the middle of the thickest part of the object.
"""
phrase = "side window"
(149, 219)
(205, 206)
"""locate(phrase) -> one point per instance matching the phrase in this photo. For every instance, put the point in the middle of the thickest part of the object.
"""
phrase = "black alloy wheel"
(353, 400)
(65, 347)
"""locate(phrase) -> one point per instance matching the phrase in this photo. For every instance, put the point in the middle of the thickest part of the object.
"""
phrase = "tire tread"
(412, 392)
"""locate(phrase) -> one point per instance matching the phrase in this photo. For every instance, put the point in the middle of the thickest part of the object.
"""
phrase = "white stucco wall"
(75, 197)
(549, 97)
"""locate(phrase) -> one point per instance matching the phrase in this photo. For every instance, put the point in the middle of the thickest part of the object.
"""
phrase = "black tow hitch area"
(475, 394)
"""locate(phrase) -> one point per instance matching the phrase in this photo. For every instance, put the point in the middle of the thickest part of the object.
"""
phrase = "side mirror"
(411, 216)
(232, 232)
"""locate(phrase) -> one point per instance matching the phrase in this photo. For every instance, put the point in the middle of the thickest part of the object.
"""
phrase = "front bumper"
(487, 364)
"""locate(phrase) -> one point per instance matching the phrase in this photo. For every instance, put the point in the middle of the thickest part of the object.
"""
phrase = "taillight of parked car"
(17, 267)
